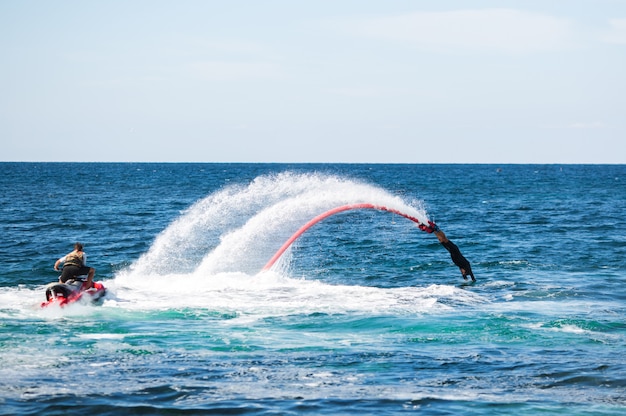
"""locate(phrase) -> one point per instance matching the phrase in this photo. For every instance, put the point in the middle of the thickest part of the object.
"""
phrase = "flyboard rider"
(457, 258)
(74, 265)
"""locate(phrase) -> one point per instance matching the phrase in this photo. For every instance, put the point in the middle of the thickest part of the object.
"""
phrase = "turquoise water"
(364, 314)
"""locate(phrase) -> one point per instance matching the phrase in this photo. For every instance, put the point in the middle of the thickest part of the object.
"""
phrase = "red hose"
(320, 217)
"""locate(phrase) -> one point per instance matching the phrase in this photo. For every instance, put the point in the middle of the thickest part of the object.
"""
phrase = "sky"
(354, 81)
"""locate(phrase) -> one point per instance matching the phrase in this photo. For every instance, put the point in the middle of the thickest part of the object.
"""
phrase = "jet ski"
(73, 290)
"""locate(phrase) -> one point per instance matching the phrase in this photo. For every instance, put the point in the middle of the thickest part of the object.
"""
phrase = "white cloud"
(189, 45)
(234, 70)
(592, 125)
(578, 125)
(617, 33)
(488, 30)
(365, 92)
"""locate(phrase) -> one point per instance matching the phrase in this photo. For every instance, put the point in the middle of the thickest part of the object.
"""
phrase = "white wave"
(250, 297)
(272, 294)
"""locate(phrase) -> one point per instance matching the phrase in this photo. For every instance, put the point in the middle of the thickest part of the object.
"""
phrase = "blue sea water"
(364, 314)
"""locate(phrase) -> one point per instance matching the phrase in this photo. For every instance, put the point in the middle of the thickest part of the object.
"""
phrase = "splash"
(237, 229)
(254, 297)
(213, 254)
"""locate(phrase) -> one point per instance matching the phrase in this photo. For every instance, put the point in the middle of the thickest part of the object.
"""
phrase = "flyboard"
(63, 294)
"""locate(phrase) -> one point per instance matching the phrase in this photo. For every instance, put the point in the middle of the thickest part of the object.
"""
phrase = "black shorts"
(72, 272)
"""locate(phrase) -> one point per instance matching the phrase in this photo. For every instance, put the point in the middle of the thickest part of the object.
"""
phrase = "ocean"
(363, 314)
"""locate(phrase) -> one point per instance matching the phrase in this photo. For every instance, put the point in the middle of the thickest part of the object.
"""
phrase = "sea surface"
(363, 314)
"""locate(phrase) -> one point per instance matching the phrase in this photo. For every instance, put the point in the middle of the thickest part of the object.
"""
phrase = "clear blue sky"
(313, 81)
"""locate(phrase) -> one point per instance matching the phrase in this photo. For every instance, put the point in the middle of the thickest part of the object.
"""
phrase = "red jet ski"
(63, 294)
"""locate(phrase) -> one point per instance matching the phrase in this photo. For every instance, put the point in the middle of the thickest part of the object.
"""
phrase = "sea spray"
(212, 255)
(238, 228)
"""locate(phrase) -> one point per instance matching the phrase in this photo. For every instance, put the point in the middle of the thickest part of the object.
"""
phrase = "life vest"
(74, 259)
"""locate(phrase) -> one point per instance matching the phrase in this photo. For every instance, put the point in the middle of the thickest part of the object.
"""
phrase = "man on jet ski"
(74, 265)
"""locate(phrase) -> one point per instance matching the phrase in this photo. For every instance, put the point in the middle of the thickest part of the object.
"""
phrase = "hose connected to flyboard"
(326, 214)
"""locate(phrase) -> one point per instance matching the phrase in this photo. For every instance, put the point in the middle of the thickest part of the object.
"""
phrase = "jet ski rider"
(74, 265)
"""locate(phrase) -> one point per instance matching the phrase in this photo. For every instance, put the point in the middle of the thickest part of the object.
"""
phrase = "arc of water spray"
(326, 214)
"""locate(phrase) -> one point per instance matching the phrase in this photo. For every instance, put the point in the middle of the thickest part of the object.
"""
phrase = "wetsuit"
(73, 266)
(458, 259)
